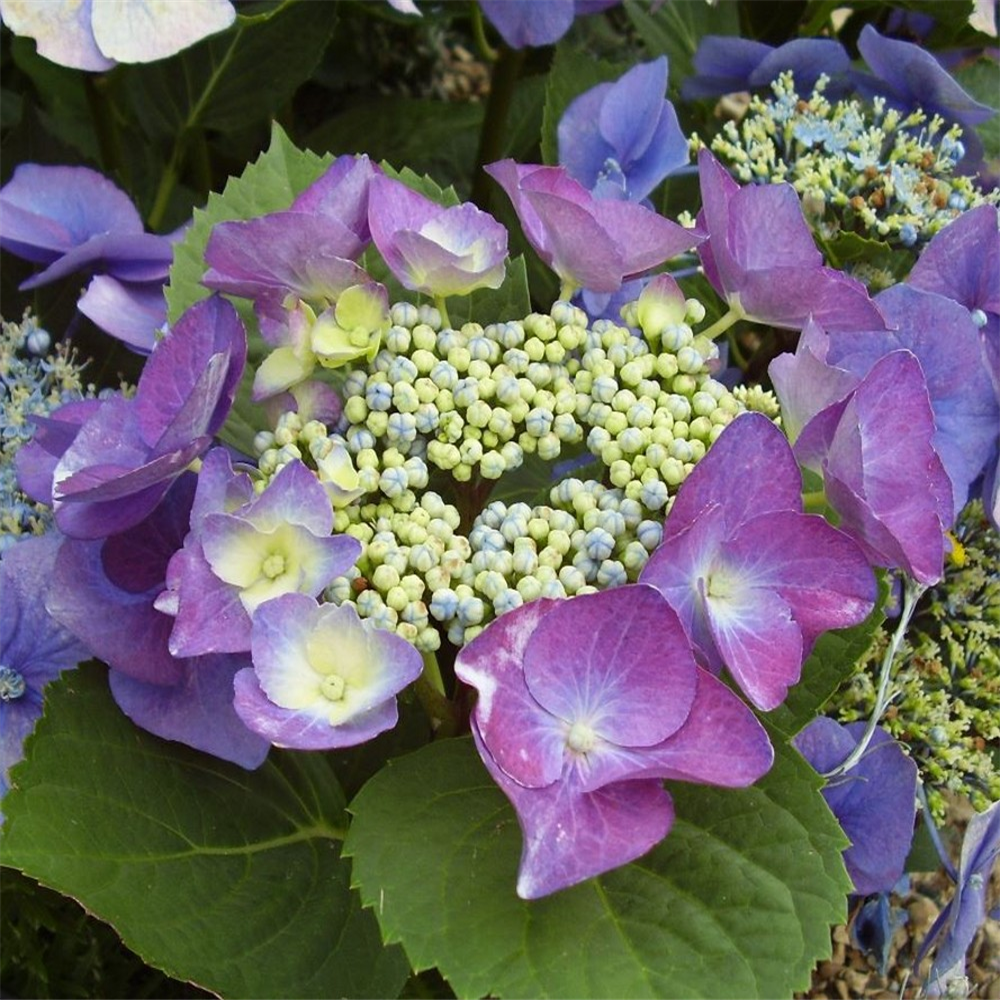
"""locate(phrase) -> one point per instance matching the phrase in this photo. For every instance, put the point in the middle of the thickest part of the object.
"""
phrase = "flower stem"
(430, 690)
(724, 322)
(506, 70)
(441, 304)
(566, 290)
(912, 592)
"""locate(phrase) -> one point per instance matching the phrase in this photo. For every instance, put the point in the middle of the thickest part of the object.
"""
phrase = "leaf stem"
(912, 592)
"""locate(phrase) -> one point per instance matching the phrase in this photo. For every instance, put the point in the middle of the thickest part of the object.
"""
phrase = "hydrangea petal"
(62, 31)
(617, 661)
(342, 193)
(142, 31)
(310, 255)
(48, 210)
(527, 744)
(631, 110)
(197, 710)
(875, 802)
(130, 256)
(295, 496)
(570, 836)
(529, 22)
(132, 312)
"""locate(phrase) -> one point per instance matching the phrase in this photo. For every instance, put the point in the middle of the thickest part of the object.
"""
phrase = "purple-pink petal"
(525, 741)
(310, 255)
(570, 836)
(295, 496)
(617, 660)
(342, 194)
(283, 727)
(875, 802)
(129, 256)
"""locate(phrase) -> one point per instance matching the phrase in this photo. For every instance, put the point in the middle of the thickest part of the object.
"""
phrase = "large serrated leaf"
(736, 902)
(269, 184)
(231, 879)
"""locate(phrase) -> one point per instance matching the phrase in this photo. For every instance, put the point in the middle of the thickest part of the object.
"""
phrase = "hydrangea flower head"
(97, 34)
(584, 706)
(34, 647)
(875, 802)
(431, 249)
(761, 258)
(621, 139)
(589, 243)
(752, 578)
(322, 678)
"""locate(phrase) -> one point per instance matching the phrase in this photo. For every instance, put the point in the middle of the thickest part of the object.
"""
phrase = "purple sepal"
(760, 252)
(578, 737)
(875, 802)
(307, 254)
(629, 124)
(104, 591)
(946, 342)
(342, 194)
(36, 461)
(966, 910)
(126, 454)
(911, 78)
(431, 249)
(47, 211)
(129, 256)
(529, 22)
(133, 312)
(197, 710)
(962, 262)
(725, 64)
(570, 836)
(880, 470)
(753, 579)
(322, 678)
(592, 243)
(32, 642)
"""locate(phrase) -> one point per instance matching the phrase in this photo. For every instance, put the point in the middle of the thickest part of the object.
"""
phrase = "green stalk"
(912, 592)
(725, 321)
(506, 71)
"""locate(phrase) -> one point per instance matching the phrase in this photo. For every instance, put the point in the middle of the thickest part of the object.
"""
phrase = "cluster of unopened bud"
(407, 557)
(471, 403)
(854, 164)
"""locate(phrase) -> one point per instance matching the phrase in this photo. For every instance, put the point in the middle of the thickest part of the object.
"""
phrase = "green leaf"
(569, 77)
(231, 879)
(982, 80)
(269, 184)
(834, 658)
(433, 137)
(675, 29)
(736, 902)
(233, 79)
(851, 249)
